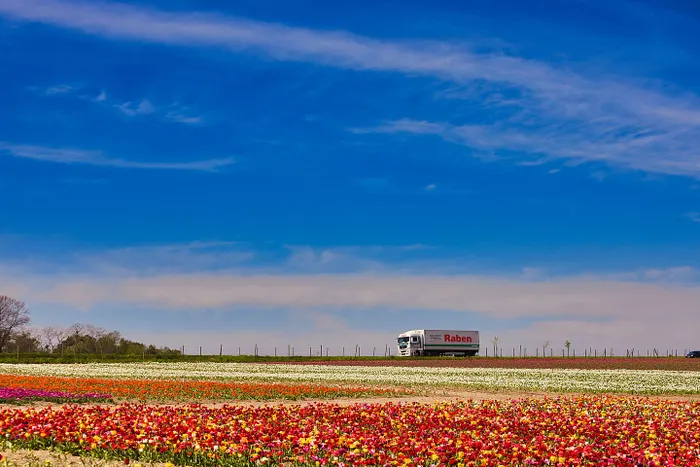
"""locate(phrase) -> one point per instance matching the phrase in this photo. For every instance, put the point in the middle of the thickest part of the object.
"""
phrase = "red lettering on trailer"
(457, 338)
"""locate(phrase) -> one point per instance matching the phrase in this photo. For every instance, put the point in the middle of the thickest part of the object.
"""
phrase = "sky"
(207, 173)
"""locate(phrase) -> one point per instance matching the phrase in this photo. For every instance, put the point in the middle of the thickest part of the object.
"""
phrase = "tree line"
(16, 335)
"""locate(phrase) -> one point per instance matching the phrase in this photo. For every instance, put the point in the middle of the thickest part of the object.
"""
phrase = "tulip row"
(17, 394)
(575, 431)
(551, 380)
(185, 390)
(580, 363)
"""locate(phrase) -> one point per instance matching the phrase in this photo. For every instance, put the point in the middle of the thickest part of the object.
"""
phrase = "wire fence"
(391, 351)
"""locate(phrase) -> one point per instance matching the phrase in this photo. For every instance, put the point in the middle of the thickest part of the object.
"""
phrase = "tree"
(14, 314)
(567, 344)
(544, 348)
(24, 341)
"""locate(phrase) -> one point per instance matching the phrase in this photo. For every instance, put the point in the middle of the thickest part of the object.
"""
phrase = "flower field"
(74, 389)
(18, 394)
(550, 380)
(572, 431)
(544, 363)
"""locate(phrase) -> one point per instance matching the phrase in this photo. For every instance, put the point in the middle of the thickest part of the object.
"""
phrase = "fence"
(390, 351)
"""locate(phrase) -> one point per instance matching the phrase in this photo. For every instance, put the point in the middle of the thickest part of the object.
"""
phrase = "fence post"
(520, 352)
(374, 349)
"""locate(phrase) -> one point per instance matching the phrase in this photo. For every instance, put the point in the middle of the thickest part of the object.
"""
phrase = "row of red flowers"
(576, 431)
(189, 390)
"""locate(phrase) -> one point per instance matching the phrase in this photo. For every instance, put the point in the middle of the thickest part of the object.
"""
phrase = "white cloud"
(430, 187)
(97, 158)
(174, 113)
(143, 108)
(554, 112)
(494, 297)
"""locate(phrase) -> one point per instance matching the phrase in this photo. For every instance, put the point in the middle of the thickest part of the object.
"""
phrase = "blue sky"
(272, 171)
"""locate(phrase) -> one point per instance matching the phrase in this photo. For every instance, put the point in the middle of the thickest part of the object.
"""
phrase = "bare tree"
(49, 337)
(14, 314)
(544, 348)
(567, 344)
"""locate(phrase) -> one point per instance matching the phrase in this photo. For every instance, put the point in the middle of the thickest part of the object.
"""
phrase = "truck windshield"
(403, 340)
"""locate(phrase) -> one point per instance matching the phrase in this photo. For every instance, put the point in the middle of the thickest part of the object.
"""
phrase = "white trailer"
(434, 342)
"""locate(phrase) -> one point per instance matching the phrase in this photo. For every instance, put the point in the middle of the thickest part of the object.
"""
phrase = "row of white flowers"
(613, 381)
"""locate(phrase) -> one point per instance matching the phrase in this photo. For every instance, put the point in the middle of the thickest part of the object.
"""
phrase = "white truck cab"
(427, 342)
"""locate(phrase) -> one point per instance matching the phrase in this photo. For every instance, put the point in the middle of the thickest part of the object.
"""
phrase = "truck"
(435, 342)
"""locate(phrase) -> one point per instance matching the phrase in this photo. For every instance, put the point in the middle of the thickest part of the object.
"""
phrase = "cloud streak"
(97, 158)
(500, 298)
(174, 113)
(546, 112)
(673, 152)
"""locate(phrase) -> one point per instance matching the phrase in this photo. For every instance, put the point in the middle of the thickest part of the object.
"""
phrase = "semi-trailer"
(435, 342)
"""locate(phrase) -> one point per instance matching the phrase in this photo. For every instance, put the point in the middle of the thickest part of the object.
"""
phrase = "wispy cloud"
(548, 112)
(491, 296)
(180, 114)
(59, 89)
(693, 216)
(97, 158)
(130, 109)
(669, 150)
(150, 259)
(174, 112)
